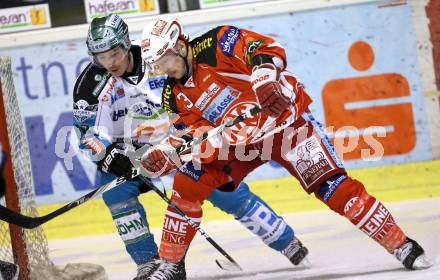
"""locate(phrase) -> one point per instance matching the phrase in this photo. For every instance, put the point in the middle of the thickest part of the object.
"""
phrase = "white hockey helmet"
(159, 36)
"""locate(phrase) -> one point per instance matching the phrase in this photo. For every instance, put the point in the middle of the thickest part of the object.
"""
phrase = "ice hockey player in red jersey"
(220, 75)
(118, 107)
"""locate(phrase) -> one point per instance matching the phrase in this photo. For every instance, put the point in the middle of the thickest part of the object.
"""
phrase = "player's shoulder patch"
(204, 47)
(168, 97)
(228, 40)
(90, 83)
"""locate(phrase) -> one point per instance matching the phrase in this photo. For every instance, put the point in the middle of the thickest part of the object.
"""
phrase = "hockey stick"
(33, 222)
(28, 222)
(215, 131)
(226, 266)
(232, 264)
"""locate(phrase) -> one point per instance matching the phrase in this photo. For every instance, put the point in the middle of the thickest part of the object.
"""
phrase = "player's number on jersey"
(188, 103)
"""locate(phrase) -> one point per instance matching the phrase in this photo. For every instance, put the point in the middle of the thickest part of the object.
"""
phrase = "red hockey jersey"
(220, 87)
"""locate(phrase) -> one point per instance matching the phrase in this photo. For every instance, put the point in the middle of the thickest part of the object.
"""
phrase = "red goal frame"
(12, 201)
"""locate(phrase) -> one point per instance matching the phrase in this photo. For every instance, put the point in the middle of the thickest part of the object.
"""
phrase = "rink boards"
(319, 43)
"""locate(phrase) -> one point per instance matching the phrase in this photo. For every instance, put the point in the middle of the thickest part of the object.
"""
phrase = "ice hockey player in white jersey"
(117, 105)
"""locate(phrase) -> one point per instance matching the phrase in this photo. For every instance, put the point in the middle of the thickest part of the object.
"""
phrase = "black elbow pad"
(261, 59)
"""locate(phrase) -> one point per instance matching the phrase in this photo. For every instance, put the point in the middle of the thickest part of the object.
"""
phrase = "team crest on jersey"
(310, 160)
(83, 111)
(243, 132)
(82, 104)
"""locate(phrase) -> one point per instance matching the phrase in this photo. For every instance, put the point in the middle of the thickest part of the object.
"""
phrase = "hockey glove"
(161, 159)
(115, 162)
(264, 79)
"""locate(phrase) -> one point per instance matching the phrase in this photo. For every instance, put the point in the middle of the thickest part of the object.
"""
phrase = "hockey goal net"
(28, 248)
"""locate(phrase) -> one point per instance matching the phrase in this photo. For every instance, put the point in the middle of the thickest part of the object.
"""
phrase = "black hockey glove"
(116, 163)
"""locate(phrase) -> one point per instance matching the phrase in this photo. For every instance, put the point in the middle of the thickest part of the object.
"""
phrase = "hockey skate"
(296, 252)
(146, 269)
(169, 271)
(412, 255)
(9, 271)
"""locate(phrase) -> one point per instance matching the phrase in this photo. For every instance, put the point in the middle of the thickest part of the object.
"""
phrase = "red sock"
(177, 233)
(367, 213)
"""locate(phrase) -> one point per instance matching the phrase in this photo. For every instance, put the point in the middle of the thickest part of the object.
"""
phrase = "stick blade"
(18, 219)
(305, 263)
(228, 266)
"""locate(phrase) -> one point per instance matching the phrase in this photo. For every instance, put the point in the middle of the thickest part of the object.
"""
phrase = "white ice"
(337, 249)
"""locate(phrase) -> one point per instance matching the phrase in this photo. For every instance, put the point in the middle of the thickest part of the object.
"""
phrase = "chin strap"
(188, 72)
(130, 60)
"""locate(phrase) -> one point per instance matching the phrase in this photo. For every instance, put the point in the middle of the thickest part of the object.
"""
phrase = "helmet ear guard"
(181, 50)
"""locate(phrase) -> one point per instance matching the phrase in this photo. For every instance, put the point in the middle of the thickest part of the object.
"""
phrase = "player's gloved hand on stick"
(116, 163)
(161, 159)
(264, 79)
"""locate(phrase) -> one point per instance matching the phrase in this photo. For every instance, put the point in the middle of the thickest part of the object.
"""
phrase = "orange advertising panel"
(344, 113)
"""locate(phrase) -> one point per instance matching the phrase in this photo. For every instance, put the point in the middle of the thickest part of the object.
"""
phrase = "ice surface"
(337, 249)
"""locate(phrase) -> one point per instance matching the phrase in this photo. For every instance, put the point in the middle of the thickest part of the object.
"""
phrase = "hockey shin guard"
(253, 213)
(349, 198)
(177, 234)
(131, 222)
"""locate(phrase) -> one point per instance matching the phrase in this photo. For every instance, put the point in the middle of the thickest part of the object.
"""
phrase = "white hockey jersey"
(124, 109)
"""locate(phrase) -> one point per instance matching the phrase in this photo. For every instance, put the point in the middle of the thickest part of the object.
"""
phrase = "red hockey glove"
(264, 79)
(160, 160)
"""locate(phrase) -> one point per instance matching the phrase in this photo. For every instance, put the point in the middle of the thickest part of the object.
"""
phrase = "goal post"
(26, 247)
(11, 131)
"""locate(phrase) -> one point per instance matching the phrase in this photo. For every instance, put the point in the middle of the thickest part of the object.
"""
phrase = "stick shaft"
(189, 220)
